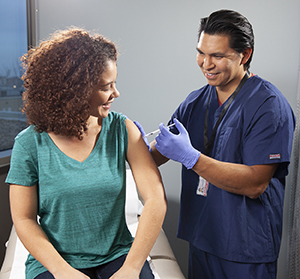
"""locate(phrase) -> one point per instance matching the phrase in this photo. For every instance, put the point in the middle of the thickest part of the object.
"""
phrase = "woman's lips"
(107, 106)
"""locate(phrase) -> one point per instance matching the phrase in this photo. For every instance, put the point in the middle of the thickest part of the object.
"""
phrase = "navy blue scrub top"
(257, 129)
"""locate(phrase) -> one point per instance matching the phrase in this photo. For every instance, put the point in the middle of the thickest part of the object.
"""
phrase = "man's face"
(221, 65)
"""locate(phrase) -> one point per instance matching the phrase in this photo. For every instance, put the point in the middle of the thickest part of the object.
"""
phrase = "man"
(234, 139)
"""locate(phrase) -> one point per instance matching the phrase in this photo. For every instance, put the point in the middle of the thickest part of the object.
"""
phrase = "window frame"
(31, 12)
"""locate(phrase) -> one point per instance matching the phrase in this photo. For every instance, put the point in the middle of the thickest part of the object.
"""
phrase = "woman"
(68, 166)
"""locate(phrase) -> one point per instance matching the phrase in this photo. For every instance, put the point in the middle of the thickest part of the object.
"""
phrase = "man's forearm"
(239, 179)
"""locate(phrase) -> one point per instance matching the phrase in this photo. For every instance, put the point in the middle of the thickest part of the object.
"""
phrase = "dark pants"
(207, 266)
(106, 270)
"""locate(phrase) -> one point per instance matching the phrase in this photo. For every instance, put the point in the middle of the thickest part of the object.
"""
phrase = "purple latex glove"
(177, 147)
(143, 133)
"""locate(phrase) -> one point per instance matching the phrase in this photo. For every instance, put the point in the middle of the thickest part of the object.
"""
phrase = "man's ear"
(246, 55)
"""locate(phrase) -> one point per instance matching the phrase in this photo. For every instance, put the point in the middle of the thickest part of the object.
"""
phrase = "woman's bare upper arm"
(23, 202)
(143, 167)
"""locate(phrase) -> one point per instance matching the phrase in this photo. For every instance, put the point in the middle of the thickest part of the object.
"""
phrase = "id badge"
(202, 187)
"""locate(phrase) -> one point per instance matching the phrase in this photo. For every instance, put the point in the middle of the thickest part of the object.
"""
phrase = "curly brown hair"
(60, 75)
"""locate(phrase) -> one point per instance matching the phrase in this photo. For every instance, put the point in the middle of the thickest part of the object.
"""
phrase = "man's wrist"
(192, 160)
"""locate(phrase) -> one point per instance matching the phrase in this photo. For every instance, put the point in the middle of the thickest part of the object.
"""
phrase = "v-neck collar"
(64, 155)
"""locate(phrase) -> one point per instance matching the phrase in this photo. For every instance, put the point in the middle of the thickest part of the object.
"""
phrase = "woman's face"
(106, 92)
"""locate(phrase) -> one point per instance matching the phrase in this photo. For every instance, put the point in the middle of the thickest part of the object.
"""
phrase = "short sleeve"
(269, 136)
(23, 169)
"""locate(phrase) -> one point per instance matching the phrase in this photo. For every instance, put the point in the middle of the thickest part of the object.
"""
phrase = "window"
(14, 43)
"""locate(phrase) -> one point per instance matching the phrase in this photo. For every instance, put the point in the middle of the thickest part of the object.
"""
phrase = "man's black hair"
(233, 25)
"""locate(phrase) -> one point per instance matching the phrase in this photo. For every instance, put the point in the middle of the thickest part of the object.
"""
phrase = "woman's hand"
(70, 273)
(124, 273)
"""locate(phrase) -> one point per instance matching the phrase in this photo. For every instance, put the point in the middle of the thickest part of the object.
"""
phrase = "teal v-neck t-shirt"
(81, 204)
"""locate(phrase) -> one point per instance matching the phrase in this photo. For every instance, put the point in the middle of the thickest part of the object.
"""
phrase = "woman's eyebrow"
(109, 83)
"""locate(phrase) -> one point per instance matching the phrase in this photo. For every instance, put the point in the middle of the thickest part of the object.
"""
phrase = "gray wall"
(157, 66)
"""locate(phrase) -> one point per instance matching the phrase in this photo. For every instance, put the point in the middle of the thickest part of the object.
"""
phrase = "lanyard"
(208, 144)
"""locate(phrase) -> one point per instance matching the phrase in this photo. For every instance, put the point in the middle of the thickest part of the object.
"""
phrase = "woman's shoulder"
(26, 133)
(113, 116)
(26, 142)
(115, 119)
(29, 136)
(114, 124)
